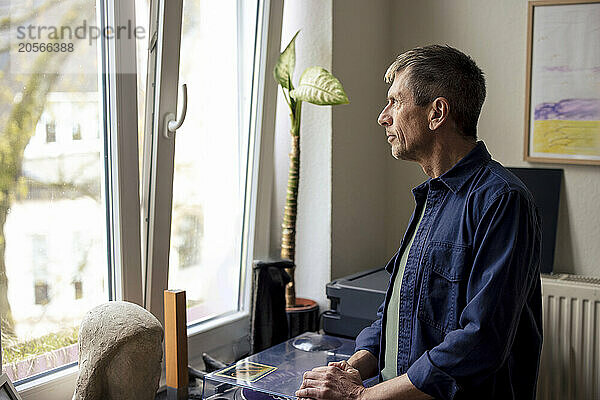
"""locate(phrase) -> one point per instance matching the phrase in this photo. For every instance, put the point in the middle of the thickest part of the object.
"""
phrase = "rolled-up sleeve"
(370, 337)
(505, 266)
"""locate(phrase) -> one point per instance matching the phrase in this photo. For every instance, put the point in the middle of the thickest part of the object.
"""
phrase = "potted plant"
(316, 86)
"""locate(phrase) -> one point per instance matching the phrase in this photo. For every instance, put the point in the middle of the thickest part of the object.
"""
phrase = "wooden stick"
(176, 355)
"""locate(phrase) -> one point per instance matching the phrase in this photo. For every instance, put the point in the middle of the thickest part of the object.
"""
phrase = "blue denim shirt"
(470, 320)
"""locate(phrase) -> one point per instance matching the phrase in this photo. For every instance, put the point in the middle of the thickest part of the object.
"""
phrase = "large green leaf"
(318, 86)
(284, 69)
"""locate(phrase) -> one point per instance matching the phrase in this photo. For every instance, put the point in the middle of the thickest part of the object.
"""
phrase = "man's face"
(405, 123)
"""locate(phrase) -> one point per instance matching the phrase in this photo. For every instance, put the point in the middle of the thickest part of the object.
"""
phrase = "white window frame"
(159, 151)
(120, 61)
(226, 335)
(223, 336)
(120, 109)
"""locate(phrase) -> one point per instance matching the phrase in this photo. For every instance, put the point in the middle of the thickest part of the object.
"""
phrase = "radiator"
(570, 364)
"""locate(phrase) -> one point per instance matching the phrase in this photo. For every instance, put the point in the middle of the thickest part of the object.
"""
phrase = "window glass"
(53, 236)
(211, 154)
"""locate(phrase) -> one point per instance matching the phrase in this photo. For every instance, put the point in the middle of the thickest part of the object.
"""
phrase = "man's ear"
(439, 112)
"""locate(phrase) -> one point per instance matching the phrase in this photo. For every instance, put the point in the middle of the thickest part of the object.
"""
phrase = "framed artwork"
(562, 106)
(7, 390)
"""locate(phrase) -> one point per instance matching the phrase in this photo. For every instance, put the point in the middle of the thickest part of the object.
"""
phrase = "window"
(211, 154)
(78, 286)
(41, 293)
(50, 132)
(48, 193)
(51, 193)
(75, 235)
(39, 264)
(208, 186)
(76, 132)
(189, 226)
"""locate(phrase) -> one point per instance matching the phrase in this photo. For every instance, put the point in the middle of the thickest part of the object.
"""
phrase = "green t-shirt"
(393, 309)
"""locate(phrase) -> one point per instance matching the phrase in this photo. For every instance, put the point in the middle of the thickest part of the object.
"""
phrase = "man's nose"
(384, 118)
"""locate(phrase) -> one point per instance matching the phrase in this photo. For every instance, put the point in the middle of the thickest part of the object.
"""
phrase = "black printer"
(354, 302)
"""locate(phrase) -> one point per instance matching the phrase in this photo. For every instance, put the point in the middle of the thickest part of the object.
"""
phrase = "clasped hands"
(336, 381)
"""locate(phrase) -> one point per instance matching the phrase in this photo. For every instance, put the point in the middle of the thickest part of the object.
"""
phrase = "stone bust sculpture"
(120, 351)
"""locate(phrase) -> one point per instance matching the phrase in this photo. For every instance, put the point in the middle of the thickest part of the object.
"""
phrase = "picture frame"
(562, 100)
(7, 389)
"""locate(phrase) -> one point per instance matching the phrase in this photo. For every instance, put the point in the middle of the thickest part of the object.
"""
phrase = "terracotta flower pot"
(303, 317)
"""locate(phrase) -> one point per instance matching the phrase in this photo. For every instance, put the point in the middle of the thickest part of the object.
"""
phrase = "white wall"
(494, 34)
(313, 237)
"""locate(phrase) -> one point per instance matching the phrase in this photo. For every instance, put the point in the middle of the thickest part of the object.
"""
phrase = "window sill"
(59, 385)
(225, 337)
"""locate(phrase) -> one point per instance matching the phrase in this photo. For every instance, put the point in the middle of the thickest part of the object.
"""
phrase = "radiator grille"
(570, 364)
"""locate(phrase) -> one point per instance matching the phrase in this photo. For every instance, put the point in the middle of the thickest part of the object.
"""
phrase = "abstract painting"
(562, 118)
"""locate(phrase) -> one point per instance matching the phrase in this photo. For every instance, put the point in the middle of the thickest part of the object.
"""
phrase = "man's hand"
(337, 381)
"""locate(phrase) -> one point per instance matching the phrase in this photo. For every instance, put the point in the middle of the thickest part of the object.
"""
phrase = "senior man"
(462, 314)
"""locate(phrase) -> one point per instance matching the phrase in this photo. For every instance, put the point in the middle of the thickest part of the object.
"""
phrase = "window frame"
(225, 336)
(119, 59)
(123, 209)
(162, 84)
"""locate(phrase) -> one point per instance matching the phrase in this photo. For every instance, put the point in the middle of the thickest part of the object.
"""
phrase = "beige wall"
(493, 33)
(361, 51)
(355, 198)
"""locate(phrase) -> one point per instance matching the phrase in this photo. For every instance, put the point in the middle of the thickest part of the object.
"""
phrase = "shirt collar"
(459, 174)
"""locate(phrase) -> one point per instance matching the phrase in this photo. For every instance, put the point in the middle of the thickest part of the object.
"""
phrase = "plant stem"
(286, 97)
(288, 236)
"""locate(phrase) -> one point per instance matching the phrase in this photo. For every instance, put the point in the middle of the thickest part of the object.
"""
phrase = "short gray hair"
(443, 71)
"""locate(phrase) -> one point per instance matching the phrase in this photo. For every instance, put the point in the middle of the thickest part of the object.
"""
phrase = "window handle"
(171, 124)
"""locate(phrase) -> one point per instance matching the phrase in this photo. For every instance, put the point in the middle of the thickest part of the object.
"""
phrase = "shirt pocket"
(445, 268)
